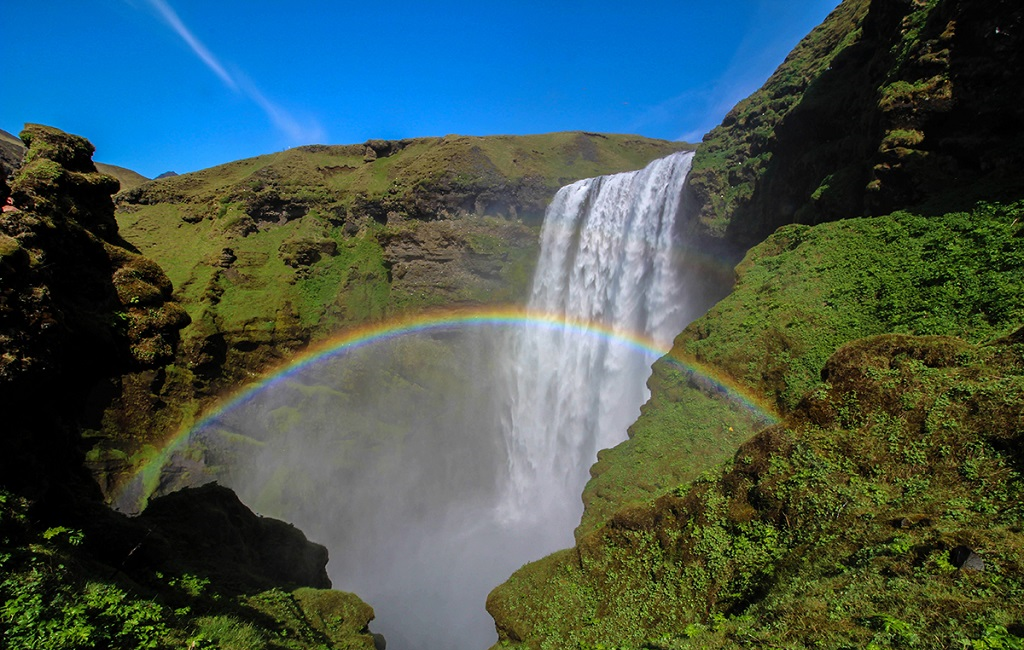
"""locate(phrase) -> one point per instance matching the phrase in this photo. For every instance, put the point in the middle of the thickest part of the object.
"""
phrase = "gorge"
(829, 454)
(434, 459)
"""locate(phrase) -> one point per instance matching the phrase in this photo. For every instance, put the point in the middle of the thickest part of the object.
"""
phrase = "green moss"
(9, 246)
(836, 530)
(805, 291)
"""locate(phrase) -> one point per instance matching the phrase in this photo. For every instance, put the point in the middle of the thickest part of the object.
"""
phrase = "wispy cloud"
(293, 129)
(200, 50)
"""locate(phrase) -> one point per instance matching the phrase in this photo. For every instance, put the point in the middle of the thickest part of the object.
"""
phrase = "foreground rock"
(87, 328)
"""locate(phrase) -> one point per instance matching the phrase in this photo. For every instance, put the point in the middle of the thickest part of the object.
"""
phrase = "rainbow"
(136, 490)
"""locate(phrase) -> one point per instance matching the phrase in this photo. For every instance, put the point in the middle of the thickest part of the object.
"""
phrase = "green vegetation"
(845, 525)
(247, 239)
(55, 595)
(500, 175)
(736, 154)
(807, 290)
(271, 254)
(129, 179)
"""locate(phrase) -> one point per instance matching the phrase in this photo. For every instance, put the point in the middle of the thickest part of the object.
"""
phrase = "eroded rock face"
(78, 307)
(210, 525)
(886, 105)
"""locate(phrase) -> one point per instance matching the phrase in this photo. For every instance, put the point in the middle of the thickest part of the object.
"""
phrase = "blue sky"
(180, 85)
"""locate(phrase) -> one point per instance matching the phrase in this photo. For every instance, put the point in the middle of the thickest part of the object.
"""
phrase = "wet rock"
(210, 524)
(965, 559)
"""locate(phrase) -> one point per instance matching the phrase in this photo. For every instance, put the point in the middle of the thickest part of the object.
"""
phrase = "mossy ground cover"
(807, 290)
(56, 595)
(836, 528)
(844, 528)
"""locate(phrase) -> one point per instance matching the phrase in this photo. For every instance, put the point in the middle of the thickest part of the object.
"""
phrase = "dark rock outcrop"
(210, 527)
(79, 308)
(886, 105)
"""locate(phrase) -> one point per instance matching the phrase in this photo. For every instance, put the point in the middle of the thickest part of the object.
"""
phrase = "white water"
(434, 465)
(608, 258)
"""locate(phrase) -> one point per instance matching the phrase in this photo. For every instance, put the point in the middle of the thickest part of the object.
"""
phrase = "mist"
(434, 464)
(393, 457)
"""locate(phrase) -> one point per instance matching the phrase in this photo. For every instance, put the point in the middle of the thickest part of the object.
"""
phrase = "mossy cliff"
(80, 307)
(80, 311)
(888, 104)
(883, 510)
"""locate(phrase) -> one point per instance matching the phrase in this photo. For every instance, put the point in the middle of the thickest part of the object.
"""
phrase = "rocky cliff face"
(80, 308)
(888, 104)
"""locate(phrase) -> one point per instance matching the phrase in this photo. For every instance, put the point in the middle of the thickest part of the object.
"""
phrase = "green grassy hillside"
(791, 540)
(283, 248)
(129, 179)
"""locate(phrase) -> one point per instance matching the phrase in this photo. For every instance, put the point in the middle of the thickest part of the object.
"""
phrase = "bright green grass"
(792, 540)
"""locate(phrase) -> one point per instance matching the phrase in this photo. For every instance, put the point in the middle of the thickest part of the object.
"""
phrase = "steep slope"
(79, 311)
(859, 520)
(885, 105)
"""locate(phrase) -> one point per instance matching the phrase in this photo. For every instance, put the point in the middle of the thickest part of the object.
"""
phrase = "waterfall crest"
(436, 463)
(608, 258)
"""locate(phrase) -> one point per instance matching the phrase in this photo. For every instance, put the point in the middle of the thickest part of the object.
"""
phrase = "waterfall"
(436, 463)
(608, 258)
